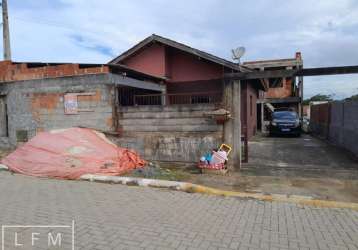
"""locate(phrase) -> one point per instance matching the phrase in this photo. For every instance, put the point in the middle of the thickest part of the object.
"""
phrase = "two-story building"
(282, 93)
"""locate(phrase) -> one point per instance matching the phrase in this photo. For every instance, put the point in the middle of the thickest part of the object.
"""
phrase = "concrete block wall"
(163, 133)
(320, 119)
(169, 133)
(343, 128)
(38, 105)
(337, 122)
(281, 92)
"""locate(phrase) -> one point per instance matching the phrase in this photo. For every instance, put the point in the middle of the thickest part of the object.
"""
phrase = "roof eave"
(176, 45)
(132, 50)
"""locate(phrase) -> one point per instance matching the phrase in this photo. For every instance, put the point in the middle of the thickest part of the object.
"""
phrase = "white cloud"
(326, 31)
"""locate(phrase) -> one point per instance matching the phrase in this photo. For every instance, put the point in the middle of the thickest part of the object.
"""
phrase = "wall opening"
(275, 83)
(4, 131)
(128, 96)
(258, 115)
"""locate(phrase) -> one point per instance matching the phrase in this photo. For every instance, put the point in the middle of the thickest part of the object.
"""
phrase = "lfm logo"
(38, 236)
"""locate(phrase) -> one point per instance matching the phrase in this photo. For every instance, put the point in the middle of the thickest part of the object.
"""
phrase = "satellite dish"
(238, 53)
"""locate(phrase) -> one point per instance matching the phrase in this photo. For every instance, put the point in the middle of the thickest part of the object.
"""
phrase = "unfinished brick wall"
(282, 92)
(10, 71)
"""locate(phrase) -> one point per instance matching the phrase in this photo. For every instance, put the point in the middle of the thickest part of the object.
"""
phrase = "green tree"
(318, 97)
(352, 98)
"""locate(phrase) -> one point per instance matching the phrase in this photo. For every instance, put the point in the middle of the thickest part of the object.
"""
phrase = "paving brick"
(122, 217)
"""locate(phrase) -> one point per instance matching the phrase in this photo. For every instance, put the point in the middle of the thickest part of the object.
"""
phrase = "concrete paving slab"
(122, 217)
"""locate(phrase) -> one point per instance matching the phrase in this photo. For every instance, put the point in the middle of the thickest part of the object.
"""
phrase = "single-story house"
(164, 99)
(188, 71)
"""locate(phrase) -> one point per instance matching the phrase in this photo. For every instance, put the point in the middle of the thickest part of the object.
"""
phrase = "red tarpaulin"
(70, 153)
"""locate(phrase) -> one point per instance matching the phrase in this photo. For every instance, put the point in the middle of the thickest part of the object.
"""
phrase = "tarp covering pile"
(70, 153)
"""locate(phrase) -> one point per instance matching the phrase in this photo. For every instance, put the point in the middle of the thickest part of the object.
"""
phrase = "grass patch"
(160, 173)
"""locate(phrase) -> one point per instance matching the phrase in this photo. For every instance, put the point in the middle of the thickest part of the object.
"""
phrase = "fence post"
(236, 129)
(329, 119)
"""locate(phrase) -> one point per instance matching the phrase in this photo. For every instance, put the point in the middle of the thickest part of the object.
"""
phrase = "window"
(78, 102)
(284, 115)
(275, 82)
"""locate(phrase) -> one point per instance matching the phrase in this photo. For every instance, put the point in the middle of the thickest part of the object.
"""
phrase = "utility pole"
(6, 32)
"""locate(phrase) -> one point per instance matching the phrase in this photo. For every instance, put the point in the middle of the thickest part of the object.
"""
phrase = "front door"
(3, 117)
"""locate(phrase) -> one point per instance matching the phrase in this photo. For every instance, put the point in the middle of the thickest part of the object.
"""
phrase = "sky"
(92, 31)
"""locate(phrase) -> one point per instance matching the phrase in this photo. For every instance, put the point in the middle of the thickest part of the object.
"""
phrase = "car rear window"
(284, 115)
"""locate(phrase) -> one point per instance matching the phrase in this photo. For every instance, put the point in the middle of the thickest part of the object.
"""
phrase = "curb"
(194, 188)
(3, 167)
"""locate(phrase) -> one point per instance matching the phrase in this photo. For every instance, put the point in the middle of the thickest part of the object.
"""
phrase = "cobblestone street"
(121, 217)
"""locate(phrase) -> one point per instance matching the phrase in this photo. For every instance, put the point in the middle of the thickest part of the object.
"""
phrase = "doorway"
(3, 117)
(258, 118)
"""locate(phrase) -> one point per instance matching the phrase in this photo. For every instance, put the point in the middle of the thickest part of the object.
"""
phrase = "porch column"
(164, 95)
(232, 127)
(236, 111)
(228, 136)
(300, 106)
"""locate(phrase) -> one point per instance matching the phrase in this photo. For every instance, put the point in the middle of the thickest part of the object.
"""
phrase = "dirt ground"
(303, 166)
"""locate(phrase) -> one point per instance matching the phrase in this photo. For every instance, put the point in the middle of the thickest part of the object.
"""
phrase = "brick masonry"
(10, 71)
(281, 92)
